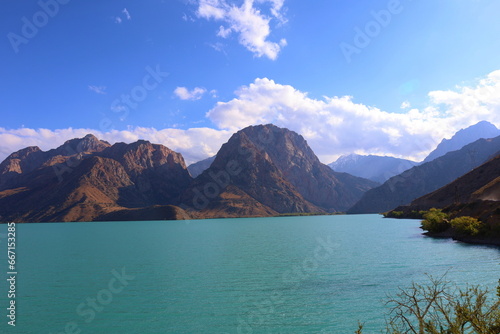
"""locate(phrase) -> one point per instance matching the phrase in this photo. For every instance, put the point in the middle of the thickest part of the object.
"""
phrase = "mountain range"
(261, 171)
(381, 168)
(86, 178)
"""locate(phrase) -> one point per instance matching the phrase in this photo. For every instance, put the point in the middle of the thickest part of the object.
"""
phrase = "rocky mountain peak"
(87, 144)
(464, 137)
(26, 159)
(277, 168)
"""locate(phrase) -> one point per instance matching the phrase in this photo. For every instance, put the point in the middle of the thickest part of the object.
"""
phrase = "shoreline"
(485, 241)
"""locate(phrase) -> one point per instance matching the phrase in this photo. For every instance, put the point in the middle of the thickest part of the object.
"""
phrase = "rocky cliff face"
(275, 168)
(158, 173)
(87, 178)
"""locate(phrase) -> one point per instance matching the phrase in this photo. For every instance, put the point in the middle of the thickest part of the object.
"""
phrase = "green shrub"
(467, 226)
(435, 220)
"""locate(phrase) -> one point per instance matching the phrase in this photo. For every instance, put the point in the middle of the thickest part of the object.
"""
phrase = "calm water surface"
(267, 275)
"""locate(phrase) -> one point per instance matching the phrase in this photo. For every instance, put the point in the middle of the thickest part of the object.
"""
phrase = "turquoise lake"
(318, 274)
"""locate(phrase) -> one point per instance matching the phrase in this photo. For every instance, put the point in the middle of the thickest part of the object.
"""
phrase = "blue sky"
(409, 83)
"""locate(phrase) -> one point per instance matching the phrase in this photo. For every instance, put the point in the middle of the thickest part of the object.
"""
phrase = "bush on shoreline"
(467, 226)
(435, 221)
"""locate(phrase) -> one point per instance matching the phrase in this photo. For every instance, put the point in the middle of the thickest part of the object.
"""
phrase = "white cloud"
(185, 94)
(187, 18)
(223, 32)
(253, 27)
(338, 125)
(98, 89)
(218, 47)
(126, 13)
(195, 144)
(405, 105)
(332, 126)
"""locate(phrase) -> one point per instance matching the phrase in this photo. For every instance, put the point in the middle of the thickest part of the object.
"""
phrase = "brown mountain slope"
(273, 167)
(426, 178)
(482, 183)
(29, 159)
(92, 189)
(159, 174)
(476, 193)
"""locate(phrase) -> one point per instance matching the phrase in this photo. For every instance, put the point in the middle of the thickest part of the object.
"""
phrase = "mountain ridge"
(464, 137)
(425, 178)
(271, 171)
(85, 178)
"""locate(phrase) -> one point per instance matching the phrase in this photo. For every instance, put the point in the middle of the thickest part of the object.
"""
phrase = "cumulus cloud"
(337, 125)
(248, 22)
(185, 94)
(195, 144)
(481, 101)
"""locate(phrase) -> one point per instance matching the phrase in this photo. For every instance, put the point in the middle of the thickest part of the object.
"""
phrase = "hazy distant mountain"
(463, 137)
(264, 170)
(420, 180)
(372, 167)
(85, 179)
(197, 168)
